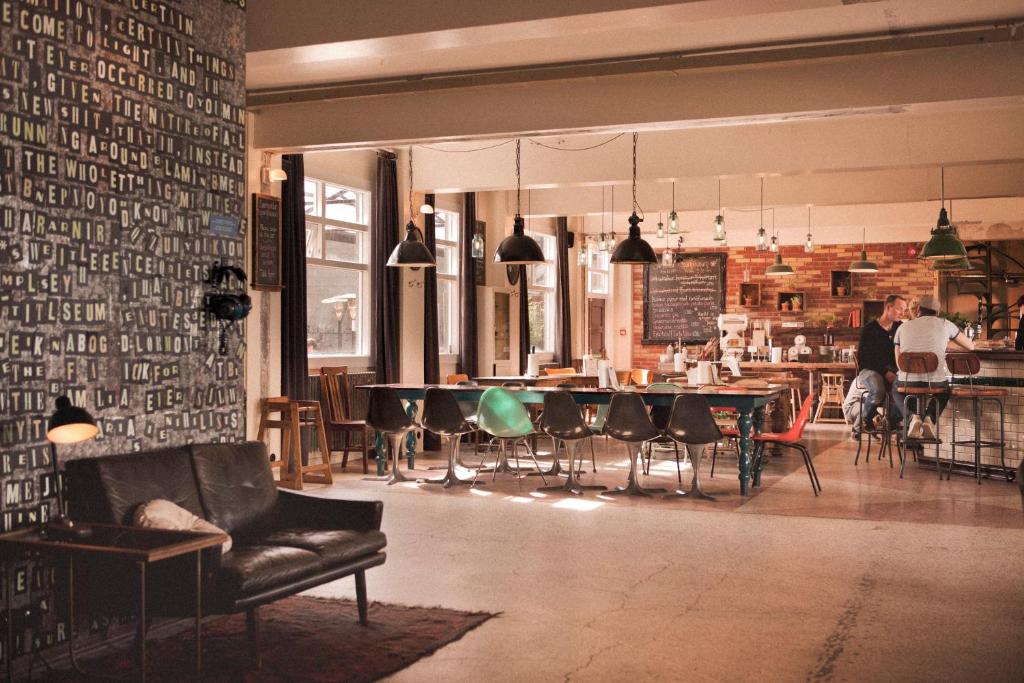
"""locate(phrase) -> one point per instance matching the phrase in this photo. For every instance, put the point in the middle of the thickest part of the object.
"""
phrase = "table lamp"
(68, 424)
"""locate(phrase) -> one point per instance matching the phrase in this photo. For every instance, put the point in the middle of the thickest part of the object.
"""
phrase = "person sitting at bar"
(876, 362)
(928, 333)
(1019, 344)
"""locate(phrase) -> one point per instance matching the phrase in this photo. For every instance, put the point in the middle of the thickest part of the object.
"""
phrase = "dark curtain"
(524, 321)
(385, 347)
(431, 360)
(563, 317)
(294, 363)
(467, 290)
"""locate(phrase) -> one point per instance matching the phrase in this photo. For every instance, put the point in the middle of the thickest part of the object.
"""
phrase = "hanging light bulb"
(762, 236)
(581, 258)
(601, 244)
(673, 217)
(719, 234)
(411, 252)
(809, 243)
(667, 257)
(661, 227)
(518, 248)
(773, 246)
(633, 249)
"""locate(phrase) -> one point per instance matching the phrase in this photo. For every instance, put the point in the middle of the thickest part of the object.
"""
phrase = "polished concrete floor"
(877, 579)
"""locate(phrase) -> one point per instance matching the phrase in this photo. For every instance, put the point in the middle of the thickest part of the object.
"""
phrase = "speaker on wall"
(572, 240)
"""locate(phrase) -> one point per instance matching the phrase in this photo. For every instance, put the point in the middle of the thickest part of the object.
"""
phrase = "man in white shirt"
(927, 333)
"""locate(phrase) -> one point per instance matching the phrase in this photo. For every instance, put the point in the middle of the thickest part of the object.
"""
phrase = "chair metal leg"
(696, 452)
(396, 452)
(572, 484)
(714, 457)
(632, 487)
(451, 478)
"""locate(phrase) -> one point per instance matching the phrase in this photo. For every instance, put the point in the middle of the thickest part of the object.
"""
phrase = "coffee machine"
(732, 326)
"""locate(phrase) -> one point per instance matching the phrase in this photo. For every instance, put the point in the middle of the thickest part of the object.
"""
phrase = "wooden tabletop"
(795, 365)
(727, 389)
(529, 379)
(127, 542)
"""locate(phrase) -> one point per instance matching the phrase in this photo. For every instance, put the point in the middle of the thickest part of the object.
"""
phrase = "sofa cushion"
(251, 569)
(236, 488)
(335, 547)
(108, 489)
(163, 514)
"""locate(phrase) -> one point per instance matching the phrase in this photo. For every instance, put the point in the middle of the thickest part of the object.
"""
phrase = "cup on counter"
(776, 355)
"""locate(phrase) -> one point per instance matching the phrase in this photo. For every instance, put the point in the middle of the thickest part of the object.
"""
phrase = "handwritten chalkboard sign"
(266, 242)
(684, 300)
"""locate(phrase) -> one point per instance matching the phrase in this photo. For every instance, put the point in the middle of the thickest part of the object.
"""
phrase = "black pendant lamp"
(518, 248)
(944, 244)
(634, 249)
(411, 252)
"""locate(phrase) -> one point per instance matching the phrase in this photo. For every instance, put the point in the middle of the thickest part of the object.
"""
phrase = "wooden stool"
(292, 417)
(831, 396)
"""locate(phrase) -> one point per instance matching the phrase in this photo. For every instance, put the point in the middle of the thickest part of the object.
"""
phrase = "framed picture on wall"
(479, 264)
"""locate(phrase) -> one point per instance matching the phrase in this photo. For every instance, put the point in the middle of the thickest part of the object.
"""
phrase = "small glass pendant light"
(582, 257)
(773, 246)
(601, 244)
(478, 245)
(809, 243)
(762, 236)
(673, 217)
(661, 227)
(719, 234)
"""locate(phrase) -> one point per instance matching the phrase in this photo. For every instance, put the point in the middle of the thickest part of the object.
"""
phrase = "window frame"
(548, 291)
(362, 356)
(606, 271)
(453, 278)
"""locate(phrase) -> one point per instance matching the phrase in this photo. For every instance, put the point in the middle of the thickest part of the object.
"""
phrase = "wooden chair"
(455, 379)
(335, 392)
(559, 371)
(831, 397)
(291, 418)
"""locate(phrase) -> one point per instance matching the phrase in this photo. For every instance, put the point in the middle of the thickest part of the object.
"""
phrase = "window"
(541, 292)
(597, 271)
(337, 269)
(446, 236)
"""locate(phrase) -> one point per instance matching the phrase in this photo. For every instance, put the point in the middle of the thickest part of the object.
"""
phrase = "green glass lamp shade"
(518, 248)
(633, 249)
(863, 265)
(70, 424)
(411, 252)
(779, 269)
(944, 244)
(952, 265)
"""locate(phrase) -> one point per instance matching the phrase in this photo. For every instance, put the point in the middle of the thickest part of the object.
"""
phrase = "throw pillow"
(163, 514)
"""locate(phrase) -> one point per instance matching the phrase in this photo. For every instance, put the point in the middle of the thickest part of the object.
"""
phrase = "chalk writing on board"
(683, 300)
(266, 243)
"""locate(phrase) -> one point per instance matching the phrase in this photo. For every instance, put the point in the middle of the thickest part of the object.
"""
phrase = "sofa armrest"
(298, 510)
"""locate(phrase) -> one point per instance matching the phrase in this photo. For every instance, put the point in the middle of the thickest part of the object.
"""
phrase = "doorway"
(595, 325)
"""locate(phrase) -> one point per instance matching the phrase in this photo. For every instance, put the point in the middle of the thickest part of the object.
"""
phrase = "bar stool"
(443, 416)
(505, 418)
(386, 414)
(564, 423)
(920, 362)
(691, 423)
(869, 431)
(292, 418)
(831, 396)
(967, 365)
(629, 422)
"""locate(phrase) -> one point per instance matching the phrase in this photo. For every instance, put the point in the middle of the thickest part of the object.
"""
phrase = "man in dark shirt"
(876, 360)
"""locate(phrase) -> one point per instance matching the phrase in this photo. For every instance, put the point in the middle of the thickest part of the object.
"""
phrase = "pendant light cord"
(719, 195)
(518, 182)
(635, 205)
(410, 184)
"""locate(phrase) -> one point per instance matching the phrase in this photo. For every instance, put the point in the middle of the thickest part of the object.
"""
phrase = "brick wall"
(898, 272)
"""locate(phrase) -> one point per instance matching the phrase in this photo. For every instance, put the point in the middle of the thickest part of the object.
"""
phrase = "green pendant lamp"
(863, 265)
(944, 244)
(778, 269)
(633, 249)
(518, 248)
(411, 252)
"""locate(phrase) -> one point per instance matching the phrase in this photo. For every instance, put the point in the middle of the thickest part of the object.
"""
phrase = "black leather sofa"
(283, 542)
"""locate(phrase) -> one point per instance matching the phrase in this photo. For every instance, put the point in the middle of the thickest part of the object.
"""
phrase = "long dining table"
(749, 404)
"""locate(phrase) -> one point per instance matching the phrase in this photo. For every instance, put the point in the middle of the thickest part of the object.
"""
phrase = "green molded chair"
(507, 420)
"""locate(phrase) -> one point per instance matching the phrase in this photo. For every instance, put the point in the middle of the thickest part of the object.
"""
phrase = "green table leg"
(410, 438)
(745, 424)
(380, 447)
(758, 423)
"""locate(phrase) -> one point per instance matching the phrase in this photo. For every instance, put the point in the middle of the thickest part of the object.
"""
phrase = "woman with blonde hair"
(913, 309)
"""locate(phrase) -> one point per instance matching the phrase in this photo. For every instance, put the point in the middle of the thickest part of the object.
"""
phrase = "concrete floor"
(877, 579)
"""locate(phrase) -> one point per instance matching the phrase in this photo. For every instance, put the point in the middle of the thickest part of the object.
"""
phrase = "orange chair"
(455, 379)
(559, 371)
(641, 377)
(790, 439)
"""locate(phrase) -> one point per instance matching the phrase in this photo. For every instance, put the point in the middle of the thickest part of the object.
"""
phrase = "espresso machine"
(732, 342)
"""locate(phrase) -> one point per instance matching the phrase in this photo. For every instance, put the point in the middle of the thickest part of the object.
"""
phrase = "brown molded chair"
(335, 391)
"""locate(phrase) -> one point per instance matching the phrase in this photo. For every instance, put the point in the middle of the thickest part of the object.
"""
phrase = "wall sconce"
(271, 175)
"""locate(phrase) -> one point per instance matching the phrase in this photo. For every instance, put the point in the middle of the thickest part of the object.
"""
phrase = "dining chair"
(564, 423)
(926, 400)
(387, 415)
(456, 378)
(660, 416)
(691, 423)
(559, 371)
(790, 439)
(443, 416)
(629, 422)
(336, 393)
(640, 376)
(506, 419)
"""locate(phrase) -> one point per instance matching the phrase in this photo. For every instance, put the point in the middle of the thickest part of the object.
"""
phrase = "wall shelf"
(791, 301)
(841, 284)
(750, 295)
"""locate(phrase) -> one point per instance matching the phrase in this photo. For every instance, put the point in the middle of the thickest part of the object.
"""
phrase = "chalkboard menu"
(266, 242)
(684, 300)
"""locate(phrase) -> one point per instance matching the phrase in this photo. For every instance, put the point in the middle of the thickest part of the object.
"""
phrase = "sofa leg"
(252, 629)
(361, 596)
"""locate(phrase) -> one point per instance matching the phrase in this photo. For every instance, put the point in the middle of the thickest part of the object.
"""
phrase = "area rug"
(303, 639)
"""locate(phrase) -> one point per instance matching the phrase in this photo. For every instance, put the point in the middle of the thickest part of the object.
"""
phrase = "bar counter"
(1003, 369)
